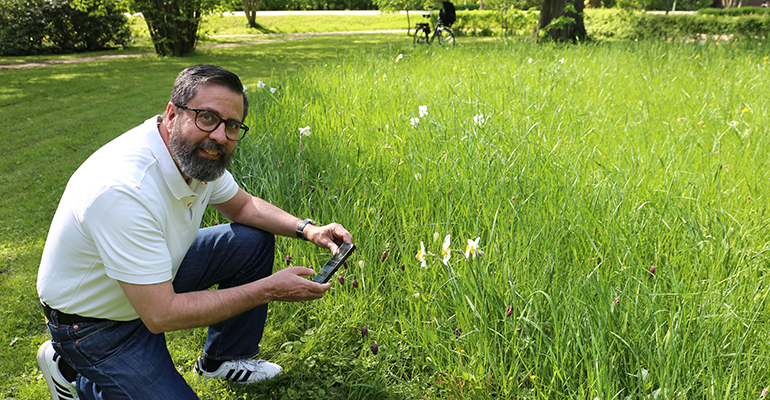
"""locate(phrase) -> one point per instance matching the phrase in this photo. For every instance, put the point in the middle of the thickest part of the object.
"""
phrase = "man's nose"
(219, 135)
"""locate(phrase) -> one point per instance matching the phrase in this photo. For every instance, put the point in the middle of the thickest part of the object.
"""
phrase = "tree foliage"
(399, 5)
(29, 27)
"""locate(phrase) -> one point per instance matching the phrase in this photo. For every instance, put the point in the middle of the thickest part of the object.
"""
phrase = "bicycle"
(442, 32)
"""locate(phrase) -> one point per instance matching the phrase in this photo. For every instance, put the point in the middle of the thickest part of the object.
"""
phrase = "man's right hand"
(289, 285)
(163, 310)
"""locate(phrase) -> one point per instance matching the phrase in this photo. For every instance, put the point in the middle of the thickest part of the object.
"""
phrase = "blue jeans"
(124, 360)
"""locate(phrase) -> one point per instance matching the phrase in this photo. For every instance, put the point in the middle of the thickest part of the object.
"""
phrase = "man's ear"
(167, 121)
(171, 112)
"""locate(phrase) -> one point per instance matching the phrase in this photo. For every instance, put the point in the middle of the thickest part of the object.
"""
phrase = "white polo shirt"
(126, 214)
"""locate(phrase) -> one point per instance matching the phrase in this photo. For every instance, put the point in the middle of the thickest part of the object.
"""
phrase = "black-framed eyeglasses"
(209, 121)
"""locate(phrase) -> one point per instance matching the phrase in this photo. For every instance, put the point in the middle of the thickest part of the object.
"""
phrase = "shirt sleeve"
(128, 237)
(224, 188)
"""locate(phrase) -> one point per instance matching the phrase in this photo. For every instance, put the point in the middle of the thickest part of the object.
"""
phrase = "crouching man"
(125, 260)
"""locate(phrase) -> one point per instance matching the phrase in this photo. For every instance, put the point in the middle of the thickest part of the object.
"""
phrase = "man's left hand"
(329, 236)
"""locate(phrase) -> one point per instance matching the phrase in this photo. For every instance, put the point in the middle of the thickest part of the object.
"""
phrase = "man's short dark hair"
(188, 81)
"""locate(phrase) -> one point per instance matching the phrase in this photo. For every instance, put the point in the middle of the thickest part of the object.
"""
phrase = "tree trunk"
(562, 20)
(173, 24)
(250, 7)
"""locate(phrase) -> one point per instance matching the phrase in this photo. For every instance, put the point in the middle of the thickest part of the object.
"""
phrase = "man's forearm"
(249, 210)
(162, 310)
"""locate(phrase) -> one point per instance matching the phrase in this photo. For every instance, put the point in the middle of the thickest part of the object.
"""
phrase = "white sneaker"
(241, 371)
(60, 388)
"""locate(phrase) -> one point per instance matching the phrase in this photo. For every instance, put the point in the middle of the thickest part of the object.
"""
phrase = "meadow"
(614, 196)
(533, 221)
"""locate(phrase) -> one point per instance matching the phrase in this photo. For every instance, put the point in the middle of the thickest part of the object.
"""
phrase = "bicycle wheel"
(420, 37)
(445, 37)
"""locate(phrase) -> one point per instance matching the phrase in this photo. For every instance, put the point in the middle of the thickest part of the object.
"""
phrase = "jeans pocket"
(87, 343)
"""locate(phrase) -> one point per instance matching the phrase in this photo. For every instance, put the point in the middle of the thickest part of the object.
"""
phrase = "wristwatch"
(301, 228)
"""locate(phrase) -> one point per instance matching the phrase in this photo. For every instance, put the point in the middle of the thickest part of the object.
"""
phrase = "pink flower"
(375, 348)
(355, 283)
(509, 311)
(458, 331)
(364, 331)
(288, 260)
(341, 279)
(384, 256)
(652, 270)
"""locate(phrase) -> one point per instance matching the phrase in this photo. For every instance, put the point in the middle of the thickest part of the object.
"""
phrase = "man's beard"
(194, 166)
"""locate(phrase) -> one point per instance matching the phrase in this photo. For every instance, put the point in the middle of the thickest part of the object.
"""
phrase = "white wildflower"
(445, 251)
(421, 256)
(472, 248)
(480, 119)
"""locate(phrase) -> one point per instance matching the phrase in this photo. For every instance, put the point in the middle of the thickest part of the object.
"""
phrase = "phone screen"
(334, 263)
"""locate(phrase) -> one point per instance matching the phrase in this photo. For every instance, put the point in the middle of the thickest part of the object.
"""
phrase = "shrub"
(735, 12)
(615, 24)
(32, 27)
(22, 27)
(485, 23)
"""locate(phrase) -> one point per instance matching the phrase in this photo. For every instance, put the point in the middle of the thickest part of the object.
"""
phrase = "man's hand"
(163, 310)
(328, 236)
(288, 284)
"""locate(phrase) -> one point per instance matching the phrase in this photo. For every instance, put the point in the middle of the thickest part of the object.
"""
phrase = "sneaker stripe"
(246, 376)
(237, 376)
(63, 392)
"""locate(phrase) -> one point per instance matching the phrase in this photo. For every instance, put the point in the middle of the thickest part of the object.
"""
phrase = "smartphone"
(334, 263)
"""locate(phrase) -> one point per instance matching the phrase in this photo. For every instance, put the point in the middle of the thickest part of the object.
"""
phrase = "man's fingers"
(319, 288)
(304, 271)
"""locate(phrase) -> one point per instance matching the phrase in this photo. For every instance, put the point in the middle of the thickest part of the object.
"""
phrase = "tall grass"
(619, 193)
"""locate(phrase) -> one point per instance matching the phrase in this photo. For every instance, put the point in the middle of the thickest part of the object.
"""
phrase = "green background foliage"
(59, 26)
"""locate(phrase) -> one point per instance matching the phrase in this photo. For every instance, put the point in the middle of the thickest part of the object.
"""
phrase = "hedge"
(620, 24)
(30, 27)
(613, 24)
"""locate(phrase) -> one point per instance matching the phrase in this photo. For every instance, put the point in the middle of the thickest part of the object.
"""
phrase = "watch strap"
(301, 228)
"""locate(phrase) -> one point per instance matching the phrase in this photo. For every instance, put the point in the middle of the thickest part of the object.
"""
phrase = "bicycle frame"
(422, 34)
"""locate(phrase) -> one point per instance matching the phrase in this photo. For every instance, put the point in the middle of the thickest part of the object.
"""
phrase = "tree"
(250, 7)
(173, 24)
(562, 20)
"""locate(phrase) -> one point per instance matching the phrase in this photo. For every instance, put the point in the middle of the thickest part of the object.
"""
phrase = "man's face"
(199, 154)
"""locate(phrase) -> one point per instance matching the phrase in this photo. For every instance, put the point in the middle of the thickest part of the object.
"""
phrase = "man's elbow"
(157, 325)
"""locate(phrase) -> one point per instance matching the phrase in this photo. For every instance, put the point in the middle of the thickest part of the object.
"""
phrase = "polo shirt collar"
(174, 180)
